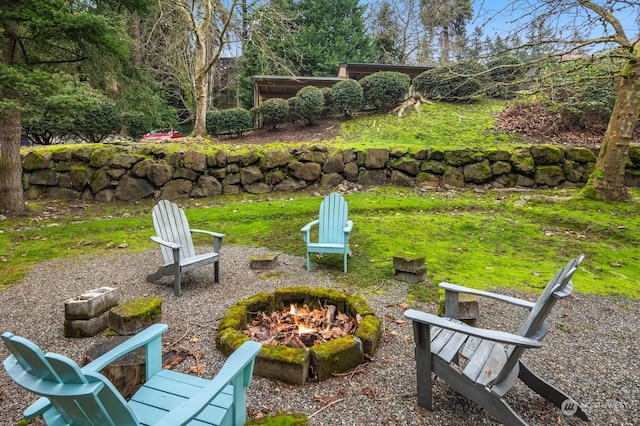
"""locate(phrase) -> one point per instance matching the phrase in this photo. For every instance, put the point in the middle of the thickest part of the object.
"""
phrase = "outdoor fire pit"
(306, 333)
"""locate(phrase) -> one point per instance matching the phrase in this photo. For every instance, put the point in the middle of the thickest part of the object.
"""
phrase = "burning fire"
(296, 314)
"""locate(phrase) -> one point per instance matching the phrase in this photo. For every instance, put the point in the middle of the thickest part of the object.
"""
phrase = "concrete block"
(408, 263)
(294, 370)
(264, 261)
(91, 304)
(411, 277)
(468, 307)
(86, 327)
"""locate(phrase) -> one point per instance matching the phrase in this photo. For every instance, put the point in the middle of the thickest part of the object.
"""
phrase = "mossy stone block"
(336, 356)
(369, 332)
(290, 365)
(264, 261)
(135, 315)
(91, 303)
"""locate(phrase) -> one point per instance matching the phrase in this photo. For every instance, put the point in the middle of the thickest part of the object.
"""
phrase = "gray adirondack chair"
(334, 229)
(174, 236)
(82, 396)
(483, 365)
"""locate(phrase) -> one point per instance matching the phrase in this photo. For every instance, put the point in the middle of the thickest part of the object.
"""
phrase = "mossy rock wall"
(134, 171)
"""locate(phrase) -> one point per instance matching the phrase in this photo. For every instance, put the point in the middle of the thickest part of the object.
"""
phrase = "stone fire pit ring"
(293, 365)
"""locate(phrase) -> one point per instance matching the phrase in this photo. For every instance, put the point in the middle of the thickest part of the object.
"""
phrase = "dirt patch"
(322, 130)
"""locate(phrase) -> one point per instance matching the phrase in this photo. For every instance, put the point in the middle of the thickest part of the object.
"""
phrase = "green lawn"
(487, 240)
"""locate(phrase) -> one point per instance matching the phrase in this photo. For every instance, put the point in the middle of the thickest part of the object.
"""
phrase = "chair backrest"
(171, 225)
(333, 217)
(536, 325)
(78, 398)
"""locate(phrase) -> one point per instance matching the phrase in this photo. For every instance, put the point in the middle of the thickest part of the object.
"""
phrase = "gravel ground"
(591, 351)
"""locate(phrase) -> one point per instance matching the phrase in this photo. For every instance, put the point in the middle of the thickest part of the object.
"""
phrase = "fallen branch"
(327, 406)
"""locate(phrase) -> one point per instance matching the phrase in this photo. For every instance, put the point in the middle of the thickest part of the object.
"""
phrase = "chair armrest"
(232, 368)
(308, 226)
(217, 238)
(347, 228)
(144, 337)
(508, 299)
(213, 234)
(493, 335)
(165, 243)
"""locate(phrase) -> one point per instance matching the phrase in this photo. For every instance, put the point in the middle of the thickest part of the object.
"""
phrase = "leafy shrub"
(584, 92)
(347, 96)
(98, 122)
(229, 121)
(457, 82)
(45, 129)
(135, 124)
(505, 72)
(385, 89)
(293, 114)
(309, 104)
(328, 101)
(273, 112)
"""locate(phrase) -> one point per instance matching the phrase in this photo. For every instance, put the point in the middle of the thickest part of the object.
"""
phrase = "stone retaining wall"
(130, 171)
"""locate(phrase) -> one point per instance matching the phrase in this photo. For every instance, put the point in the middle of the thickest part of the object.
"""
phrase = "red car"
(161, 134)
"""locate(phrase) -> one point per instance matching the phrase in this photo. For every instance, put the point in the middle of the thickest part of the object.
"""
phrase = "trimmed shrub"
(505, 73)
(328, 101)
(229, 121)
(347, 96)
(273, 112)
(309, 104)
(98, 122)
(385, 89)
(457, 82)
(293, 114)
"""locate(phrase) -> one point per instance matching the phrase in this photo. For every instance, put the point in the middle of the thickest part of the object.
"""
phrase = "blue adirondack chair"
(334, 229)
(174, 236)
(82, 396)
(481, 364)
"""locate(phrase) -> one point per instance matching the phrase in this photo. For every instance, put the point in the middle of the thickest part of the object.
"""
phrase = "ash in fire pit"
(300, 327)
(306, 333)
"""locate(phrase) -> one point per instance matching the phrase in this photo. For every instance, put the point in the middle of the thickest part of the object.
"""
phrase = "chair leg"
(345, 262)
(547, 390)
(308, 262)
(216, 272)
(176, 283)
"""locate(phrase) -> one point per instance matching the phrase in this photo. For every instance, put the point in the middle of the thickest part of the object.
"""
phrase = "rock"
(36, 160)
(477, 172)
(549, 175)
(372, 178)
(101, 180)
(308, 172)
(176, 189)
(376, 158)
(334, 164)
(195, 161)
(249, 175)
(135, 315)
(274, 159)
(133, 189)
(452, 177)
(545, 155)
(522, 161)
(159, 173)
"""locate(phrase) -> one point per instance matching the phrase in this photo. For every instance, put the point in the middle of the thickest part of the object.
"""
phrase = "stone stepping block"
(135, 315)
(264, 261)
(409, 268)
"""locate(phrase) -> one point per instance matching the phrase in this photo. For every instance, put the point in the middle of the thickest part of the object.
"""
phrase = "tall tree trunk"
(201, 81)
(11, 199)
(607, 180)
(136, 36)
(446, 45)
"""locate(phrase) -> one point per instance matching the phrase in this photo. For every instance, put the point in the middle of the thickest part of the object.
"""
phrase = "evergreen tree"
(331, 32)
(447, 19)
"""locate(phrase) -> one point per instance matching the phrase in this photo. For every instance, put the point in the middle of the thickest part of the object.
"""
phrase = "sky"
(498, 15)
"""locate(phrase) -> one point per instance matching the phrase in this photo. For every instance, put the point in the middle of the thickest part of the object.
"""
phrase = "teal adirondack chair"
(481, 364)
(334, 229)
(174, 236)
(82, 396)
